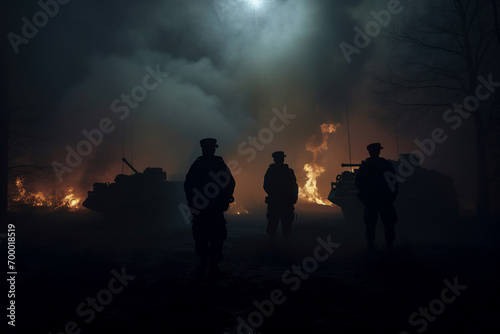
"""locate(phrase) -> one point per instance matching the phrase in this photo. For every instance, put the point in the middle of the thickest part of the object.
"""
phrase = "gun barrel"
(131, 167)
(351, 165)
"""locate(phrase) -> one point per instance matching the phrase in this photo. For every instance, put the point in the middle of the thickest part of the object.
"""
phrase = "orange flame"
(38, 199)
(237, 209)
(313, 170)
(32, 199)
(70, 201)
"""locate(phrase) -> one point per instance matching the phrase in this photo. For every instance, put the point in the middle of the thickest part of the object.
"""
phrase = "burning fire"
(237, 209)
(313, 170)
(70, 201)
(54, 202)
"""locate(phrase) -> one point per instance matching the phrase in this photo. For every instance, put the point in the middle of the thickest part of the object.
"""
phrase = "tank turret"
(424, 195)
(130, 166)
(148, 193)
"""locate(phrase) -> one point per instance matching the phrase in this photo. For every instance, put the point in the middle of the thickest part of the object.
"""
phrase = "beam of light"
(255, 3)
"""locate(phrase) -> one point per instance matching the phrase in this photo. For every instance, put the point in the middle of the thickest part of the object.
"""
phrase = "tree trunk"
(483, 188)
(495, 18)
(4, 111)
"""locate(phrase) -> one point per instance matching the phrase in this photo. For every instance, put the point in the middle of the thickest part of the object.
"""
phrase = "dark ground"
(63, 259)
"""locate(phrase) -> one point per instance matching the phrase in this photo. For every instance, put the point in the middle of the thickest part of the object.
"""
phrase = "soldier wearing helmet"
(281, 187)
(377, 195)
(209, 188)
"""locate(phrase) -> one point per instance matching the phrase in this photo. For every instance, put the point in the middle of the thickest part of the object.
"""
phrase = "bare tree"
(437, 60)
(4, 112)
(19, 113)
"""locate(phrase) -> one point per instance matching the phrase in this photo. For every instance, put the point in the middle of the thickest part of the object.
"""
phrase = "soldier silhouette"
(209, 188)
(281, 187)
(377, 195)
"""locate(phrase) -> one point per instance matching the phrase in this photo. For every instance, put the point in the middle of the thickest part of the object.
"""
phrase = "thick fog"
(223, 69)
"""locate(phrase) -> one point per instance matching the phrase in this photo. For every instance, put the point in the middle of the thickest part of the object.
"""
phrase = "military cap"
(209, 142)
(374, 146)
(278, 154)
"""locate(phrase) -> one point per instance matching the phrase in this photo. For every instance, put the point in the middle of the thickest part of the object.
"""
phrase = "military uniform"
(377, 195)
(209, 188)
(281, 186)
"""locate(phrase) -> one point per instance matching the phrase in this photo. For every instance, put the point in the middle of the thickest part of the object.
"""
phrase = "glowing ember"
(67, 201)
(236, 209)
(313, 170)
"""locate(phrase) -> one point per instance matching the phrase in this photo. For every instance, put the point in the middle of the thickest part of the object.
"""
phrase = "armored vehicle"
(145, 194)
(424, 195)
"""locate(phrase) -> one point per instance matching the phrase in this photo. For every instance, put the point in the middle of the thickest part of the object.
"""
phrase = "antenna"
(55, 198)
(123, 142)
(397, 141)
(348, 133)
(131, 141)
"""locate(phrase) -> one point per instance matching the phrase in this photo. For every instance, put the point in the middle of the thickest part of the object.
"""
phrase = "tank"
(141, 194)
(425, 195)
